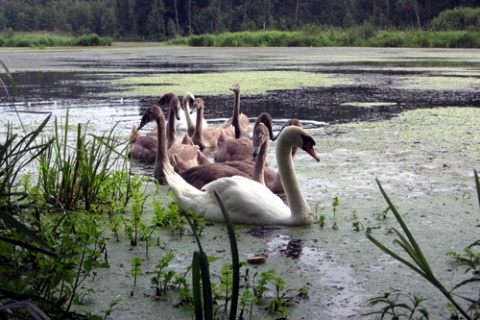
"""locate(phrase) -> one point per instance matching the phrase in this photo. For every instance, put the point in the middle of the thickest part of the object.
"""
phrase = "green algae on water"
(220, 83)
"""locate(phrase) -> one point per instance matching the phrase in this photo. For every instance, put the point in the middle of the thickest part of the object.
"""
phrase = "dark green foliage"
(161, 19)
(457, 19)
(42, 41)
(356, 37)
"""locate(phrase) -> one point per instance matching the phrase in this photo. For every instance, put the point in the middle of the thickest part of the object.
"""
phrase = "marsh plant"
(264, 290)
(81, 177)
(358, 36)
(135, 226)
(175, 220)
(459, 304)
(46, 254)
(136, 269)
(50, 242)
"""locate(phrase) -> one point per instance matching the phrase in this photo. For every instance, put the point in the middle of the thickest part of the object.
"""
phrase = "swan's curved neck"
(197, 137)
(171, 130)
(259, 168)
(236, 115)
(188, 118)
(299, 208)
(162, 151)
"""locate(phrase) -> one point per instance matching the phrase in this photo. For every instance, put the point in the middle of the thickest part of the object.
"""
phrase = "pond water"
(406, 116)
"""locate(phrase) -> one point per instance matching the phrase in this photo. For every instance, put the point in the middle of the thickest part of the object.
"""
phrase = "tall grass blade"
(196, 286)
(10, 78)
(20, 227)
(235, 259)
(477, 186)
(13, 158)
(411, 247)
(205, 275)
(415, 252)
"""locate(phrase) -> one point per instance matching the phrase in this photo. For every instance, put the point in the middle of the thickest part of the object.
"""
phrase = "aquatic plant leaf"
(10, 78)
(414, 251)
(235, 259)
(9, 220)
(205, 274)
(196, 286)
(477, 185)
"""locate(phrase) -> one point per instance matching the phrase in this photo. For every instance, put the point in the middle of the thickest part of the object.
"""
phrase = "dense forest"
(163, 19)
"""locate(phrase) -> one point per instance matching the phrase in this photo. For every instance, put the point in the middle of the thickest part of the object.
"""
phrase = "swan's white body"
(247, 201)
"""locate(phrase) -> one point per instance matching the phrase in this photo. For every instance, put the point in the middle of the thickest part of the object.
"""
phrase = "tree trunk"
(264, 15)
(297, 11)
(415, 7)
(189, 16)
(245, 11)
(176, 16)
(388, 11)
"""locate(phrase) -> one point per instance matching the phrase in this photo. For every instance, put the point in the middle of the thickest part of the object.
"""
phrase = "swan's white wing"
(194, 116)
(181, 125)
(247, 202)
(187, 196)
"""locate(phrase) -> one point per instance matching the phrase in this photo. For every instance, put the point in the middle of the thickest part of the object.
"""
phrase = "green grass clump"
(360, 36)
(51, 40)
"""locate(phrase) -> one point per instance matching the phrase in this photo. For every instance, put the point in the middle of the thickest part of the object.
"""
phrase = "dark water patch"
(331, 105)
(326, 104)
(263, 231)
(409, 63)
(293, 249)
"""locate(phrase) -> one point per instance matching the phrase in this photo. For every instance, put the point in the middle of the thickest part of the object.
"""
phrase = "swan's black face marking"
(308, 143)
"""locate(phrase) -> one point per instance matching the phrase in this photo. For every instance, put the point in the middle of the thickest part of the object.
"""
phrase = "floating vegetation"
(219, 83)
(369, 104)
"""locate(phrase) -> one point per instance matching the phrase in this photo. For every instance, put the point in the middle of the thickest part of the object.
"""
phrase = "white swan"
(247, 201)
(188, 118)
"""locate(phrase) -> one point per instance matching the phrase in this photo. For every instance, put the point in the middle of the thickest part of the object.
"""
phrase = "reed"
(201, 277)
(82, 177)
(418, 263)
(360, 36)
(52, 40)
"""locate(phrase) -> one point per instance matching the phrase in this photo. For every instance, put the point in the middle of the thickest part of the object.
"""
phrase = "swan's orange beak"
(308, 147)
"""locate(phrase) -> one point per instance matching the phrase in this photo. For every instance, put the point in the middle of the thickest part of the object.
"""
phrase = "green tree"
(155, 21)
(80, 17)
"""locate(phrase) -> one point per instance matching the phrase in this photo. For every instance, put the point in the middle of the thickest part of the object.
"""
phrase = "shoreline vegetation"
(43, 40)
(362, 36)
(457, 28)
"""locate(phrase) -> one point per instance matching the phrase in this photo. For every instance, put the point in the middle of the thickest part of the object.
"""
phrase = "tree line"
(164, 19)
